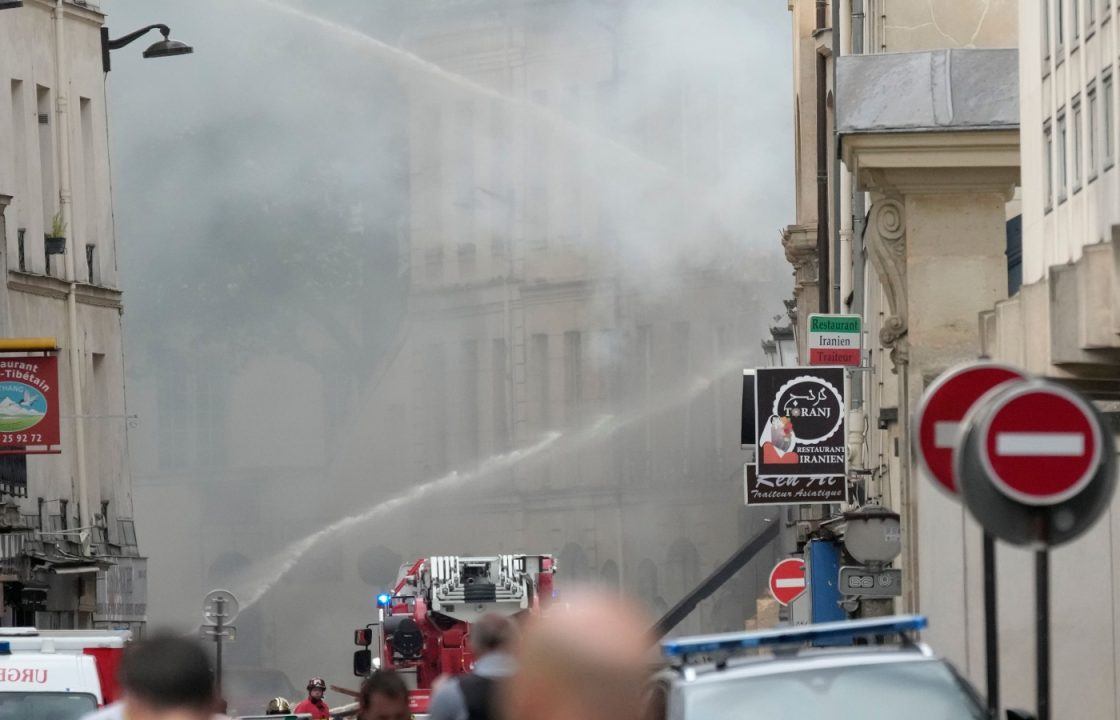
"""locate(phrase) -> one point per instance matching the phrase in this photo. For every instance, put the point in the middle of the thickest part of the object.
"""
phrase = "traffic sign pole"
(1042, 636)
(991, 623)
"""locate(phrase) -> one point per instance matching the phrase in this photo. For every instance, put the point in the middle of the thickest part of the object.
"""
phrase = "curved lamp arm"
(107, 44)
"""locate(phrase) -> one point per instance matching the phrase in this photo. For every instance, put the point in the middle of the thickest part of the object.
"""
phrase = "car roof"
(800, 660)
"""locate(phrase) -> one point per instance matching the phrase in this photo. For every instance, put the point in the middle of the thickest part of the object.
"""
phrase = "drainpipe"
(66, 206)
(841, 190)
(859, 220)
(823, 237)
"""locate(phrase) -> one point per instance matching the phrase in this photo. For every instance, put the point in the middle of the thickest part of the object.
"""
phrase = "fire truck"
(424, 624)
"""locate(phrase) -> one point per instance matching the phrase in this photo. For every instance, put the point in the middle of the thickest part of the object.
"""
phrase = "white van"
(56, 675)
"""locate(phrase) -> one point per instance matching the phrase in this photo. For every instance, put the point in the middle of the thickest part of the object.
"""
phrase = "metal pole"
(1042, 637)
(991, 624)
(220, 608)
(66, 208)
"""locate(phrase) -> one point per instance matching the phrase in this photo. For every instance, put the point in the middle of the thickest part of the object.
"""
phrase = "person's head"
(278, 706)
(383, 697)
(586, 660)
(167, 677)
(316, 688)
(491, 633)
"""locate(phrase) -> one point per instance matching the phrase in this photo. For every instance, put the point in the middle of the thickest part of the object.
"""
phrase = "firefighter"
(314, 704)
(473, 696)
(278, 706)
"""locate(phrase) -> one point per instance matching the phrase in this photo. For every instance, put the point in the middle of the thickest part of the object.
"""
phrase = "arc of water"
(539, 113)
(602, 427)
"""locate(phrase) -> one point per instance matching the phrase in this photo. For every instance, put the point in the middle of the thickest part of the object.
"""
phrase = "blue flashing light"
(5, 648)
(384, 599)
(833, 632)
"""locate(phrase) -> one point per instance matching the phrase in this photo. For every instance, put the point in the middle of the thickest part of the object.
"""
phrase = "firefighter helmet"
(278, 706)
(316, 683)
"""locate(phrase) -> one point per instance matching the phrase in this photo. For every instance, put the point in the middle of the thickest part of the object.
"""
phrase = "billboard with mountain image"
(29, 405)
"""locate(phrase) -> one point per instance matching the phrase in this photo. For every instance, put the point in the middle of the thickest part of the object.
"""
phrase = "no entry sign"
(787, 580)
(1036, 465)
(1041, 445)
(944, 406)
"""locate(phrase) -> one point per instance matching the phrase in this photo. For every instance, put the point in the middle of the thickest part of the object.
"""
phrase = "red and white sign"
(944, 405)
(787, 580)
(29, 408)
(1041, 445)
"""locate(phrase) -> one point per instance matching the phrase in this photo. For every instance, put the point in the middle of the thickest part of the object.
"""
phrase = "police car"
(815, 671)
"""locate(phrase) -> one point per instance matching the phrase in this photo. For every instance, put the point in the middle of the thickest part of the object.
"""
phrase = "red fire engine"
(424, 623)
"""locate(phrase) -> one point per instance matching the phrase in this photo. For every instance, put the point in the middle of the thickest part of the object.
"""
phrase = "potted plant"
(55, 241)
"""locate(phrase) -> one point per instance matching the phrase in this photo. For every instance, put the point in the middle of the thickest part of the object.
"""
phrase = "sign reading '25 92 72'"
(29, 405)
(799, 418)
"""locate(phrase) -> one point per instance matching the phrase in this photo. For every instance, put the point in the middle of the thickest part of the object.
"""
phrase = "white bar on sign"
(1037, 444)
(945, 434)
(789, 582)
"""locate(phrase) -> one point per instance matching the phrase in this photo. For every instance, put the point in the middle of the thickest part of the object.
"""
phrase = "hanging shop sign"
(29, 405)
(799, 417)
(822, 490)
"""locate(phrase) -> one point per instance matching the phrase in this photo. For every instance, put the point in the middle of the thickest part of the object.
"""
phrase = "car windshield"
(45, 705)
(913, 690)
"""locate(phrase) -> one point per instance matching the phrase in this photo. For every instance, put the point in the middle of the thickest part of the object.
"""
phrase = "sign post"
(787, 580)
(220, 608)
(835, 340)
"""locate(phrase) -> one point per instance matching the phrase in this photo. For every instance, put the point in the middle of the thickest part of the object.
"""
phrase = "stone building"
(907, 163)
(64, 565)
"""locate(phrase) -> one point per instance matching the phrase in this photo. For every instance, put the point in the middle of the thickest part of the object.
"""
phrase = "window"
(1075, 21)
(470, 446)
(1059, 31)
(1091, 110)
(1090, 16)
(1063, 150)
(573, 374)
(1046, 34)
(542, 374)
(1107, 126)
(21, 248)
(92, 267)
(1048, 167)
(498, 394)
(1076, 149)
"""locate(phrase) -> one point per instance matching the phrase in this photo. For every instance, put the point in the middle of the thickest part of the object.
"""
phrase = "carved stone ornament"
(886, 243)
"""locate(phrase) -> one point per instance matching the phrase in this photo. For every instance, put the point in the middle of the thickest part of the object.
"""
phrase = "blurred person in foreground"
(314, 705)
(474, 695)
(165, 677)
(383, 696)
(584, 661)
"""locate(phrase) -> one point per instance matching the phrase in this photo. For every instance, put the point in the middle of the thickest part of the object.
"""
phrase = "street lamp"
(164, 48)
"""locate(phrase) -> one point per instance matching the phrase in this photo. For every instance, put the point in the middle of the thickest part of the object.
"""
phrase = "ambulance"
(57, 674)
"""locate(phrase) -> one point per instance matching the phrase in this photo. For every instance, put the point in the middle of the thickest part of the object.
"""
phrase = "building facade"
(907, 161)
(1061, 324)
(65, 565)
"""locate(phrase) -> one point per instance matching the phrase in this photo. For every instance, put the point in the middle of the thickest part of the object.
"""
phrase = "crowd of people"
(585, 660)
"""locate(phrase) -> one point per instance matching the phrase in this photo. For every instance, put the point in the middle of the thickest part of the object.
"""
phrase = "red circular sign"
(787, 580)
(944, 406)
(1040, 445)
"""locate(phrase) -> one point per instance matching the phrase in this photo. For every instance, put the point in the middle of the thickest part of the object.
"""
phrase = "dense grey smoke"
(363, 256)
